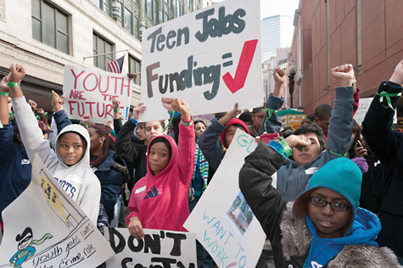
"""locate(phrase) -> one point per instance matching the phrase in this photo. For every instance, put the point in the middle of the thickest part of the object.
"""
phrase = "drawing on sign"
(25, 246)
(240, 214)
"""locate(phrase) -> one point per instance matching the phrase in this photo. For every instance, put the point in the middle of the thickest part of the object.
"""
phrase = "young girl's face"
(71, 148)
(95, 139)
(159, 157)
(199, 129)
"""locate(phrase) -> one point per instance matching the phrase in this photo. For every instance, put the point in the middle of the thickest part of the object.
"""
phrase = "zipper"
(299, 189)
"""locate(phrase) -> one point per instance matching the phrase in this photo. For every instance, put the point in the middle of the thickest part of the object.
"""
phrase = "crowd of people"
(337, 200)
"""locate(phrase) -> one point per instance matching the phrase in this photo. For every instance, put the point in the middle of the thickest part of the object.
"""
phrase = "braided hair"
(103, 131)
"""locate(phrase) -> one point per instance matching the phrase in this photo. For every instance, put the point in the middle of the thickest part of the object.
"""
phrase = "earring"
(100, 142)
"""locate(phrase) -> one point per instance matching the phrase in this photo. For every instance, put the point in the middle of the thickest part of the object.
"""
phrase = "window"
(155, 11)
(135, 67)
(128, 20)
(178, 9)
(101, 46)
(50, 25)
(105, 5)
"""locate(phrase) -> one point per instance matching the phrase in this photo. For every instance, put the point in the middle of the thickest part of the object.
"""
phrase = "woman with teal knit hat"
(323, 227)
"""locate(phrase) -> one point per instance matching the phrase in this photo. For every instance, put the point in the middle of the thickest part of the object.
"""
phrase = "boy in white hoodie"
(70, 163)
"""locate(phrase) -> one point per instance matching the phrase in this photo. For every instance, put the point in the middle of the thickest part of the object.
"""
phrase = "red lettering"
(90, 105)
(100, 85)
(72, 94)
(116, 82)
(75, 77)
(85, 80)
(71, 108)
(78, 109)
(127, 86)
(103, 109)
(81, 96)
(109, 109)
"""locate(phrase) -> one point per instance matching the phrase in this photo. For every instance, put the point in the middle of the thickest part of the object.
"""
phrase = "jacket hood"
(233, 121)
(172, 161)
(363, 232)
(80, 130)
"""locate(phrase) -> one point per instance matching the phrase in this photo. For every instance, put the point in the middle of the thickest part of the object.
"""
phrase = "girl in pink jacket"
(160, 199)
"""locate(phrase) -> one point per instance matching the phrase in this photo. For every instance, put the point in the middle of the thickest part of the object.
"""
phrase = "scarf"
(203, 166)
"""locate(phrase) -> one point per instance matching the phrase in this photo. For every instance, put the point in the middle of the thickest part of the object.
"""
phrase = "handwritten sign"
(363, 109)
(228, 230)
(45, 228)
(91, 92)
(211, 58)
(157, 249)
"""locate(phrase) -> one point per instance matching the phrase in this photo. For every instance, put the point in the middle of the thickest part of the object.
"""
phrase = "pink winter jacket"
(161, 202)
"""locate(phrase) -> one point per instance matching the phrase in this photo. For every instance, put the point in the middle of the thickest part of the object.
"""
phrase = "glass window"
(101, 46)
(128, 21)
(136, 27)
(96, 2)
(45, 18)
(107, 7)
(149, 9)
(155, 8)
(135, 67)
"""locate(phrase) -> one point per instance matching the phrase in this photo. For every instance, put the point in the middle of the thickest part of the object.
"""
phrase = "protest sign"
(157, 249)
(45, 228)
(228, 230)
(363, 109)
(91, 92)
(211, 58)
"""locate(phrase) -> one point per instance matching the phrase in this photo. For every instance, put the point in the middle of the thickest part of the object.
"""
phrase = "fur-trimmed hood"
(297, 238)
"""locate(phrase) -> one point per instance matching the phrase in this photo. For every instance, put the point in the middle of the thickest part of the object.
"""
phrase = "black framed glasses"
(320, 202)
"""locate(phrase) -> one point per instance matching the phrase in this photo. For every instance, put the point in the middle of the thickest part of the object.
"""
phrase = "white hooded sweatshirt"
(78, 180)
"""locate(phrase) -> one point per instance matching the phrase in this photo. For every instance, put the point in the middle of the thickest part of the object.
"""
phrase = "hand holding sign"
(136, 228)
(132, 76)
(182, 107)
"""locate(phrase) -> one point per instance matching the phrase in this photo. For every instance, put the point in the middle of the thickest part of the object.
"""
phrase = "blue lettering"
(208, 219)
(72, 192)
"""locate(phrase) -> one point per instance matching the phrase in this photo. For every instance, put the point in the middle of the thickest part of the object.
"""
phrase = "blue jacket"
(293, 178)
(15, 168)
(111, 181)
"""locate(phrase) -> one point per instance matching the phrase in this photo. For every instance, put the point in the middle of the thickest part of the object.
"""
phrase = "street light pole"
(291, 74)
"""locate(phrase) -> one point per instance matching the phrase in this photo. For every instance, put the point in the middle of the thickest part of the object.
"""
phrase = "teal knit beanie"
(340, 175)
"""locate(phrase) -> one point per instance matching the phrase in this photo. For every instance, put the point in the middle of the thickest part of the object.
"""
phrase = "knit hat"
(340, 175)
(236, 122)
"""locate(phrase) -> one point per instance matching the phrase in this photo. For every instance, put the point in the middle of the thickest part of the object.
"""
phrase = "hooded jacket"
(78, 180)
(294, 240)
(161, 201)
(212, 142)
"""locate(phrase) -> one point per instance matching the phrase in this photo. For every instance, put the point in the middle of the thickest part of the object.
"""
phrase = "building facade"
(275, 34)
(366, 34)
(44, 36)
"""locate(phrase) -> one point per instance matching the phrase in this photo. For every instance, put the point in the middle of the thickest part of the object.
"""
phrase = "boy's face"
(304, 155)
(328, 222)
(323, 124)
(229, 135)
(153, 129)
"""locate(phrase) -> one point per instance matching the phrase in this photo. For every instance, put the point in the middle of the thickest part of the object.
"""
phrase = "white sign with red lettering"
(90, 92)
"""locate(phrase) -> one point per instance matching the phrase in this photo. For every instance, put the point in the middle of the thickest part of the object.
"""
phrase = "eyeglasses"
(320, 202)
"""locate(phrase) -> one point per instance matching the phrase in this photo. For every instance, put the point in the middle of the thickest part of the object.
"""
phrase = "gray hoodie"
(78, 180)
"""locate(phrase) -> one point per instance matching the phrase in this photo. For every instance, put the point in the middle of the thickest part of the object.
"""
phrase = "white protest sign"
(363, 109)
(44, 227)
(227, 229)
(91, 92)
(211, 58)
(157, 249)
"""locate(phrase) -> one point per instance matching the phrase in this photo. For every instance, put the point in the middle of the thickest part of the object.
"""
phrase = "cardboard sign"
(91, 92)
(228, 230)
(157, 249)
(45, 228)
(211, 58)
(363, 109)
